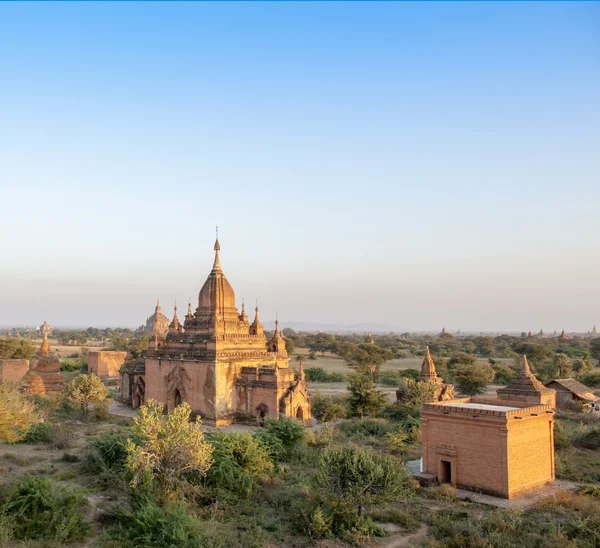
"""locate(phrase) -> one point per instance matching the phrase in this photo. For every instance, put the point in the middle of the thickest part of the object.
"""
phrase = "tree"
(563, 364)
(354, 477)
(461, 358)
(364, 397)
(169, 446)
(595, 348)
(322, 342)
(473, 379)
(86, 389)
(17, 413)
(16, 349)
(290, 345)
(366, 357)
(324, 409)
(583, 365)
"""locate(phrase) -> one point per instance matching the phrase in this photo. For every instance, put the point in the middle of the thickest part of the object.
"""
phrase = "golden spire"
(217, 248)
(158, 310)
(175, 325)
(276, 324)
(301, 372)
(525, 371)
(45, 345)
(189, 312)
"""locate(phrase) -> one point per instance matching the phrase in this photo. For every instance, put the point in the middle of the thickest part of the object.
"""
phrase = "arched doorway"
(177, 399)
(300, 414)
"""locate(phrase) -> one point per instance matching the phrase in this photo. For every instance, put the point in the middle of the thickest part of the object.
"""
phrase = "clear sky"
(414, 165)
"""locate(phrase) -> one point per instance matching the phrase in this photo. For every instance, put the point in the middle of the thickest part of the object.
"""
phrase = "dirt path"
(397, 541)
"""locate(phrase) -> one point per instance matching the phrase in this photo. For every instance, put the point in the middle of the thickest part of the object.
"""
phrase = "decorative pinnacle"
(525, 369)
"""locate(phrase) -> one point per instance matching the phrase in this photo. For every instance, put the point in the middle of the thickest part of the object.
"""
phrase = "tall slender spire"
(525, 370)
(189, 312)
(301, 376)
(217, 248)
(175, 325)
(45, 345)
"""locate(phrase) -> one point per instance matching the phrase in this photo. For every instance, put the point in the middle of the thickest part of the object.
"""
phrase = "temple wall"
(530, 453)
(474, 447)
(106, 364)
(13, 370)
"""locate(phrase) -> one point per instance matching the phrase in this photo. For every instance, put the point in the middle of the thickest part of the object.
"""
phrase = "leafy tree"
(324, 409)
(473, 379)
(415, 393)
(366, 357)
(563, 364)
(583, 365)
(16, 349)
(86, 389)
(17, 413)
(169, 446)
(354, 477)
(595, 348)
(364, 397)
(322, 342)
(290, 345)
(461, 358)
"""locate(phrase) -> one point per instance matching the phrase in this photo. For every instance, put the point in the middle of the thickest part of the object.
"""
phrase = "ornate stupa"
(158, 322)
(429, 375)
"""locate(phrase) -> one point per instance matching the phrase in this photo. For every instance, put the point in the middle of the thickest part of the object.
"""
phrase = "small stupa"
(429, 375)
(44, 376)
(525, 387)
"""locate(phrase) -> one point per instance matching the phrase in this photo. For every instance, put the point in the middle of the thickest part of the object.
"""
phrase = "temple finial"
(301, 372)
(45, 345)
(217, 248)
(525, 368)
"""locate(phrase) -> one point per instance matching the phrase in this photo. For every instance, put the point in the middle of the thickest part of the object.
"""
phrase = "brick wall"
(13, 370)
(106, 364)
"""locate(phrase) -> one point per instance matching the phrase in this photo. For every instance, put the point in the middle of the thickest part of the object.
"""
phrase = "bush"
(562, 439)
(366, 427)
(589, 438)
(416, 393)
(38, 433)
(364, 398)
(108, 452)
(325, 409)
(320, 438)
(61, 436)
(71, 364)
(388, 378)
(44, 510)
(289, 431)
(319, 374)
(85, 390)
(350, 478)
(17, 413)
(240, 460)
(150, 525)
(473, 379)
(589, 490)
(502, 373)
(590, 379)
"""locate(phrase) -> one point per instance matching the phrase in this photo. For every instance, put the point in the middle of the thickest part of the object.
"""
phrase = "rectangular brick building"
(106, 364)
(496, 447)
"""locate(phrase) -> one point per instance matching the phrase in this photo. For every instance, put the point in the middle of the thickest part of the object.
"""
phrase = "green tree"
(461, 358)
(354, 477)
(86, 389)
(324, 409)
(595, 348)
(364, 398)
(17, 413)
(16, 349)
(563, 364)
(169, 446)
(366, 358)
(473, 379)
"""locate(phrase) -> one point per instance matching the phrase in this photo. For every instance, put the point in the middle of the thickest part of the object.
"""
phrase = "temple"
(158, 322)
(429, 374)
(218, 362)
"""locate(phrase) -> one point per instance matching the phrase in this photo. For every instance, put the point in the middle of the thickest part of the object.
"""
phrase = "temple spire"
(45, 345)
(525, 370)
(217, 248)
(301, 376)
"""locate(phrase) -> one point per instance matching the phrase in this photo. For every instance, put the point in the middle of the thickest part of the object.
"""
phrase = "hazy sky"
(415, 165)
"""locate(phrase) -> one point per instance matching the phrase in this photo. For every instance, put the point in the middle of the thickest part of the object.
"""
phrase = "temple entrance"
(445, 471)
(300, 414)
(136, 401)
(177, 399)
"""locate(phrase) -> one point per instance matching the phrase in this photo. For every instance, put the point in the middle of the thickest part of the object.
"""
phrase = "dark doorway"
(177, 399)
(445, 472)
(300, 414)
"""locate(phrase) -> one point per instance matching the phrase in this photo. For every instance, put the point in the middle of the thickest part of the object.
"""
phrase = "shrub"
(325, 409)
(366, 427)
(72, 364)
(319, 374)
(561, 436)
(289, 431)
(351, 477)
(240, 460)
(590, 379)
(108, 452)
(17, 413)
(589, 490)
(169, 446)
(402, 517)
(61, 436)
(151, 525)
(389, 378)
(38, 433)
(44, 510)
(502, 373)
(320, 438)
(416, 393)
(589, 438)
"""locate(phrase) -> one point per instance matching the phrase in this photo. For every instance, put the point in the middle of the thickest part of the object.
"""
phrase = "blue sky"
(415, 165)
